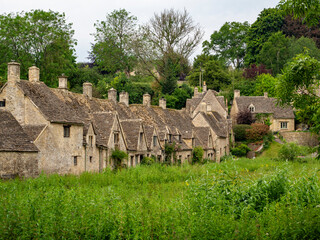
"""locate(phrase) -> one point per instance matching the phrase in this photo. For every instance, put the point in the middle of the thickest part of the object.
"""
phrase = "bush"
(291, 151)
(118, 156)
(244, 117)
(197, 155)
(147, 161)
(239, 131)
(240, 151)
(257, 131)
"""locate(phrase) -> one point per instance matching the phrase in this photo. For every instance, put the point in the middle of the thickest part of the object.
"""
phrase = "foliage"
(170, 150)
(118, 156)
(263, 118)
(266, 83)
(257, 131)
(244, 116)
(253, 71)
(239, 131)
(228, 43)
(240, 151)
(111, 51)
(243, 199)
(147, 161)
(269, 21)
(41, 38)
(197, 154)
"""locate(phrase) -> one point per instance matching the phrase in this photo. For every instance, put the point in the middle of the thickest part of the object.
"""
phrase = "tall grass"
(243, 199)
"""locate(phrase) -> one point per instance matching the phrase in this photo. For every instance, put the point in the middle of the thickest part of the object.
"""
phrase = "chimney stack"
(34, 74)
(124, 98)
(236, 93)
(203, 107)
(112, 94)
(87, 89)
(163, 103)
(196, 92)
(204, 88)
(63, 82)
(146, 100)
(265, 94)
(13, 71)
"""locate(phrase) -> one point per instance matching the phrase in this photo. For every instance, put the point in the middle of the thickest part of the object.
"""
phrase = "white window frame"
(283, 125)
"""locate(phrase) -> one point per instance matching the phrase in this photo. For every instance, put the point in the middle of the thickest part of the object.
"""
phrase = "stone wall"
(22, 164)
(301, 138)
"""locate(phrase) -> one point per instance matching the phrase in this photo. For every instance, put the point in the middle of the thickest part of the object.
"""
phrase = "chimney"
(124, 98)
(209, 107)
(34, 74)
(203, 107)
(236, 93)
(87, 89)
(163, 103)
(146, 99)
(196, 92)
(204, 88)
(112, 94)
(13, 71)
(265, 94)
(63, 82)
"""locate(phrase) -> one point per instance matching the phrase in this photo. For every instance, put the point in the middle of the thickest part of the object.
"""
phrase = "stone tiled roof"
(49, 104)
(202, 133)
(221, 101)
(12, 136)
(131, 129)
(102, 123)
(265, 105)
(33, 131)
(149, 130)
(220, 128)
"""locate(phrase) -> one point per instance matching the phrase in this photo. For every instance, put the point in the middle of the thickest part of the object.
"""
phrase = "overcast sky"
(210, 14)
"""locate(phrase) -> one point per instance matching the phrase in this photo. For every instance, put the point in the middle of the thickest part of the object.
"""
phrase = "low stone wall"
(301, 138)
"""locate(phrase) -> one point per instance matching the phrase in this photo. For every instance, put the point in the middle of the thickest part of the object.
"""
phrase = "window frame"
(66, 131)
(283, 125)
(3, 103)
(75, 160)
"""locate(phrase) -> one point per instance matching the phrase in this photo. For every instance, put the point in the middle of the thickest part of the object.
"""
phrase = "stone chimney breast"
(112, 94)
(265, 94)
(196, 92)
(163, 103)
(87, 90)
(124, 98)
(34, 74)
(13, 71)
(63, 82)
(146, 100)
(236, 93)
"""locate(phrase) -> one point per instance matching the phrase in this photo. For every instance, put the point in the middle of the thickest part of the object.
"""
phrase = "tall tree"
(37, 37)
(169, 38)
(228, 43)
(111, 51)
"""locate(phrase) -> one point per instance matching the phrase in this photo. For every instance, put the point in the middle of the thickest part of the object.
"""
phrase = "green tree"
(269, 21)
(228, 43)
(266, 83)
(111, 51)
(41, 38)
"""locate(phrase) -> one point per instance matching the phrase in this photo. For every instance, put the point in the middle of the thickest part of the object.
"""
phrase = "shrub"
(290, 151)
(118, 156)
(257, 131)
(240, 151)
(197, 154)
(240, 131)
(147, 161)
(244, 117)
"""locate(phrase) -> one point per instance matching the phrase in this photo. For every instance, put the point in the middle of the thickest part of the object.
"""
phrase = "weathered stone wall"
(22, 164)
(301, 138)
(276, 125)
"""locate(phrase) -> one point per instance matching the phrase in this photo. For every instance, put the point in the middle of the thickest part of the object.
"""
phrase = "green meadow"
(236, 199)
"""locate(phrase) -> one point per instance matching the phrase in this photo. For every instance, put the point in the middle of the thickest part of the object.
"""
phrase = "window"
(170, 138)
(154, 141)
(141, 137)
(66, 131)
(3, 103)
(251, 108)
(193, 142)
(75, 160)
(284, 125)
(116, 138)
(180, 140)
(90, 159)
(91, 141)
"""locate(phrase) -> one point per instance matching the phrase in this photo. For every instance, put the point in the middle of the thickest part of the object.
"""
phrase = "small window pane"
(3, 103)
(75, 160)
(66, 131)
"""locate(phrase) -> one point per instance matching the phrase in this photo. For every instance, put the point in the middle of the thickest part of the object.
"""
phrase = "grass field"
(237, 199)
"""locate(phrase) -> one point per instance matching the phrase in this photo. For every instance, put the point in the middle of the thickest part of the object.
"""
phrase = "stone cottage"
(281, 118)
(58, 131)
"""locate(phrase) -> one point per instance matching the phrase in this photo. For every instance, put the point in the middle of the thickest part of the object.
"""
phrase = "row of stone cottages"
(58, 131)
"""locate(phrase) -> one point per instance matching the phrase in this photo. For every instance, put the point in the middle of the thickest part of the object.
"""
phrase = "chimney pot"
(87, 90)
(63, 82)
(163, 103)
(13, 71)
(124, 98)
(236, 93)
(146, 100)
(265, 94)
(196, 92)
(34, 74)
(112, 94)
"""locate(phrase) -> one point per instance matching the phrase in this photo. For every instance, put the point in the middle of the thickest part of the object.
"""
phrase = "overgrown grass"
(272, 151)
(241, 199)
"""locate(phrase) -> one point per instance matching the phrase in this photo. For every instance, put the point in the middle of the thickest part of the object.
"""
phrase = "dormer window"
(154, 141)
(141, 137)
(252, 108)
(66, 131)
(116, 138)
(170, 138)
(91, 141)
(3, 103)
(180, 139)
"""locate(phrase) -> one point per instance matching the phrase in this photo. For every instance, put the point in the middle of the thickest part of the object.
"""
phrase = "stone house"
(281, 118)
(71, 133)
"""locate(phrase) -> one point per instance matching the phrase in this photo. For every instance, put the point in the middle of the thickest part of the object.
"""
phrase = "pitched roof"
(33, 131)
(149, 130)
(220, 128)
(102, 123)
(54, 109)
(12, 136)
(202, 133)
(265, 105)
(131, 129)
